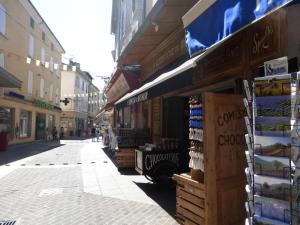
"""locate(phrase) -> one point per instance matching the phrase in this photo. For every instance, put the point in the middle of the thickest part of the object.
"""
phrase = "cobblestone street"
(77, 183)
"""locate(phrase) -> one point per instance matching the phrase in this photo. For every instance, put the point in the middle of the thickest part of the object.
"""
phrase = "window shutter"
(2, 19)
(51, 92)
(43, 56)
(2, 60)
(30, 82)
(31, 46)
(42, 86)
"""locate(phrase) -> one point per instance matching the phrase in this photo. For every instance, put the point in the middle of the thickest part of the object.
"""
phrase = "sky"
(83, 29)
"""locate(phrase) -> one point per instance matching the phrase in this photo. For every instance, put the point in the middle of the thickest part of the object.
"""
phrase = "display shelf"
(270, 154)
(223, 183)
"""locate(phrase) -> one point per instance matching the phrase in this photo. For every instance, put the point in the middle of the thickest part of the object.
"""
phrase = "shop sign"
(138, 98)
(16, 95)
(276, 66)
(42, 104)
(152, 160)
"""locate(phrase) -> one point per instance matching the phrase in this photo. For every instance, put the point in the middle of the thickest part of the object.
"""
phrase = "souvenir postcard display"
(196, 134)
(273, 150)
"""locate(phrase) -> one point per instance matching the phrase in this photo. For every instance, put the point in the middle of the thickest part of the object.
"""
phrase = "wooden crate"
(190, 201)
(125, 158)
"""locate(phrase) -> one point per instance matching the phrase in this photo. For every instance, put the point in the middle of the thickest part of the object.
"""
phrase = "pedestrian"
(93, 133)
(47, 134)
(62, 131)
(54, 133)
(97, 133)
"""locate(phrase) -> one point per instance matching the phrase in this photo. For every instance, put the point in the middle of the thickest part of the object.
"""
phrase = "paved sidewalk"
(76, 183)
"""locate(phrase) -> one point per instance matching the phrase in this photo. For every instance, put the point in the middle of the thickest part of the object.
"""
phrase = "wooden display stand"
(190, 201)
(220, 200)
(125, 158)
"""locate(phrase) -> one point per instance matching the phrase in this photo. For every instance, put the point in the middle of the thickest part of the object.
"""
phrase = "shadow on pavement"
(110, 154)
(163, 194)
(20, 151)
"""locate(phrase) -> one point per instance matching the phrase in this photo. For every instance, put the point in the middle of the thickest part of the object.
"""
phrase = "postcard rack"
(273, 144)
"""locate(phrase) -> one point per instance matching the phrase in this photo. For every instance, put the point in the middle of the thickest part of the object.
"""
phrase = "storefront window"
(25, 124)
(7, 118)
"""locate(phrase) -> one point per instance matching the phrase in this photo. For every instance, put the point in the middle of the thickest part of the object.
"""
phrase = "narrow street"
(75, 182)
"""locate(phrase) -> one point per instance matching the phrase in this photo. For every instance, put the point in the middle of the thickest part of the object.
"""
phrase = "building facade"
(30, 51)
(94, 103)
(83, 100)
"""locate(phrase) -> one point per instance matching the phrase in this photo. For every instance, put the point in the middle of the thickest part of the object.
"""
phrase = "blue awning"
(218, 19)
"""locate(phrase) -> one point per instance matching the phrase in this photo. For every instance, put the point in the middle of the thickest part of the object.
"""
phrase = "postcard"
(247, 108)
(272, 187)
(296, 154)
(247, 90)
(249, 175)
(249, 208)
(272, 86)
(248, 126)
(272, 146)
(273, 126)
(273, 209)
(249, 143)
(258, 220)
(249, 192)
(274, 106)
(272, 166)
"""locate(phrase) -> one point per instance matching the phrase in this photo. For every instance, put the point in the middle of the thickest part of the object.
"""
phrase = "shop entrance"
(40, 126)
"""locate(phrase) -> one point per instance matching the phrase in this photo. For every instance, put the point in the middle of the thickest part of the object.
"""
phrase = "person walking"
(54, 133)
(93, 132)
(97, 133)
(62, 132)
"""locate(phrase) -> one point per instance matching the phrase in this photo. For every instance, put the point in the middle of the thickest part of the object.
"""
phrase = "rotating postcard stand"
(295, 153)
(271, 189)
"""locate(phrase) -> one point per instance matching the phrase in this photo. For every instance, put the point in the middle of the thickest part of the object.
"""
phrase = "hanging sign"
(138, 98)
(276, 66)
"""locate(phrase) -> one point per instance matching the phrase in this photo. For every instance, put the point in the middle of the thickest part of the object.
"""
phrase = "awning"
(166, 82)
(210, 21)
(8, 80)
(121, 83)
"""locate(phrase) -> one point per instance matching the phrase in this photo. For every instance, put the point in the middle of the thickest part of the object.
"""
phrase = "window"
(31, 46)
(56, 66)
(43, 56)
(25, 124)
(77, 82)
(51, 92)
(133, 5)
(51, 64)
(52, 47)
(2, 19)
(2, 60)
(43, 36)
(42, 86)
(83, 85)
(30, 82)
(31, 23)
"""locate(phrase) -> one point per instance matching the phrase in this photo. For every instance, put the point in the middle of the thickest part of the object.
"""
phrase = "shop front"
(27, 120)
(216, 114)
(206, 116)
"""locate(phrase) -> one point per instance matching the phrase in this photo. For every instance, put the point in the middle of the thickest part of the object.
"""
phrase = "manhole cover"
(8, 222)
